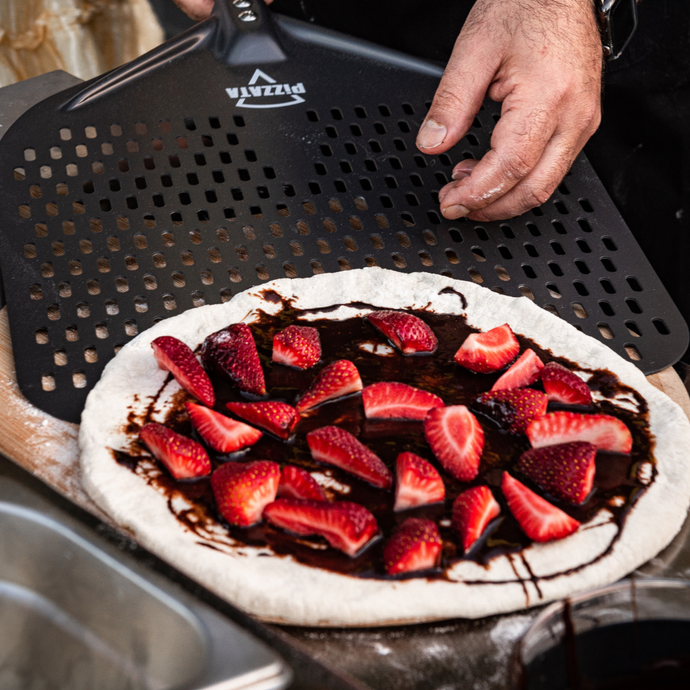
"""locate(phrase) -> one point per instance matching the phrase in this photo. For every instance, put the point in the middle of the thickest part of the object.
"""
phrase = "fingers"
(517, 144)
(459, 95)
(196, 9)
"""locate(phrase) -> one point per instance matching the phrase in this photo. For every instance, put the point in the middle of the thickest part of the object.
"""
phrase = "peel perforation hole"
(111, 309)
(634, 284)
(555, 269)
(633, 305)
(554, 291)
(661, 327)
(121, 284)
(328, 225)
(344, 264)
(633, 353)
(48, 383)
(579, 310)
(452, 256)
(131, 327)
(608, 264)
(262, 272)
(552, 309)
(41, 336)
(478, 254)
(53, 312)
(531, 250)
(355, 222)
(475, 275)
(296, 248)
(455, 235)
(140, 304)
(83, 310)
(35, 291)
(425, 258)
(234, 274)
(269, 251)
(533, 230)
(403, 239)
(214, 255)
(150, 282)
(93, 287)
(225, 295)
(606, 308)
(376, 241)
(187, 258)
(41, 230)
(580, 288)
(429, 237)
(502, 273)
(61, 189)
(582, 267)
(290, 271)
(584, 225)
(529, 271)
(399, 260)
(90, 355)
(101, 330)
(323, 246)
(72, 333)
(47, 270)
(302, 227)
(275, 229)
(633, 328)
(526, 292)
(605, 331)
(586, 206)
(316, 267)
(350, 244)
(64, 289)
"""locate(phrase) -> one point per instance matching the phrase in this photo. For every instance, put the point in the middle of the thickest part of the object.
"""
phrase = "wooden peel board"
(47, 447)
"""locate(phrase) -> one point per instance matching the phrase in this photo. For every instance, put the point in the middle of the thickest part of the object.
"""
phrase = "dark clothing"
(641, 152)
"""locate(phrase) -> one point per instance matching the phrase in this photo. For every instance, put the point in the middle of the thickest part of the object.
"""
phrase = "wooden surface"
(47, 447)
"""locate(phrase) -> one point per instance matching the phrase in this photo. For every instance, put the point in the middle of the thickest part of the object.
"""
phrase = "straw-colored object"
(83, 37)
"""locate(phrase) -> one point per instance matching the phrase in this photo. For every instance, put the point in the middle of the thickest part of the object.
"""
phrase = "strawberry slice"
(242, 491)
(231, 352)
(298, 483)
(183, 457)
(220, 432)
(297, 346)
(415, 545)
(566, 470)
(539, 520)
(473, 510)
(418, 483)
(562, 385)
(391, 400)
(338, 447)
(174, 356)
(337, 379)
(457, 440)
(513, 407)
(523, 372)
(407, 332)
(345, 526)
(489, 351)
(604, 431)
(276, 417)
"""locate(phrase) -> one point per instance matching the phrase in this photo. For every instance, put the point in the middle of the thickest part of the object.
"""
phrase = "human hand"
(542, 59)
(200, 9)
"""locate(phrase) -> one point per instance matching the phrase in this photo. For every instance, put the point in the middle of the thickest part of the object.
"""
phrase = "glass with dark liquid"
(634, 635)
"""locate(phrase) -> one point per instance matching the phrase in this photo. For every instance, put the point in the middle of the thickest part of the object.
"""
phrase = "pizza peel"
(251, 148)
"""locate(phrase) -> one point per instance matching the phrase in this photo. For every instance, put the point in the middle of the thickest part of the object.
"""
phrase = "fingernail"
(460, 175)
(456, 211)
(431, 134)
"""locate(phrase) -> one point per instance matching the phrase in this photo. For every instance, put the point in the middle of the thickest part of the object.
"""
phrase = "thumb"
(459, 96)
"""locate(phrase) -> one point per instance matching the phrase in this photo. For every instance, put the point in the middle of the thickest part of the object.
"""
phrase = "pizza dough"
(280, 589)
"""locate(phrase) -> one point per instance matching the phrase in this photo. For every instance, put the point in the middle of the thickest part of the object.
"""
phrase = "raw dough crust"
(282, 590)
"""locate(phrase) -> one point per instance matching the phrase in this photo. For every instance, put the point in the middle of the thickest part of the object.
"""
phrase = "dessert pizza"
(377, 448)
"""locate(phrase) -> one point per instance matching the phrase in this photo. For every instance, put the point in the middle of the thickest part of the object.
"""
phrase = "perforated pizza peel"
(248, 149)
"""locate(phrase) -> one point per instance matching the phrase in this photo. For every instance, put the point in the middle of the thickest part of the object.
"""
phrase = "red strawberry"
(338, 447)
(514, 407)
(184, 457)
(539, 520)
(473, 510)
(231, 352)
(407, 332)
(562, 385)
(415, 545)
(604, 431)
(417, 482)
(345, 526)
(566, 471)
(298, 483)
(242, 491)
(390, 400)
(297, 346)
(457, 440)
(174, 356)
(523, 372)
(337, 379)
(489, 351)
(276, 417)
(220, 432)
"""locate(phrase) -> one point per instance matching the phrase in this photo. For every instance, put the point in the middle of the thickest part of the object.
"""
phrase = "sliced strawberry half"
(562, 385)
(276, 417)
(522, 373)
(486, 352)
(345, 526)
(297, 346)
(565, 471)
(415, 545)
(174, 356)
(418, 483)
(514, 407)
(335, 446)
(242, 491)
(457, 440)
(183, 457)
(540, 520)
(231, 352)
(337, 379)
(392, 400)
(473, 510)
(406, 331)
(298, 483)
(604, 431)
(220, 432)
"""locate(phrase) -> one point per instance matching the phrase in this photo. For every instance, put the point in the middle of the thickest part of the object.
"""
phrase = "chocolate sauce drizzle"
(616, 475)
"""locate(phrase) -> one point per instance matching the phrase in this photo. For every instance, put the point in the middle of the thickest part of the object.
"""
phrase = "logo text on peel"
(270, 94)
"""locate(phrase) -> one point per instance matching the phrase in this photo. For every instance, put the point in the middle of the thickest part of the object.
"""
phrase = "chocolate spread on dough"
(616, 483)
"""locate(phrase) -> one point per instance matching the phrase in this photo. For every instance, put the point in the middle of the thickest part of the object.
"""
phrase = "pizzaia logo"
(267, 95)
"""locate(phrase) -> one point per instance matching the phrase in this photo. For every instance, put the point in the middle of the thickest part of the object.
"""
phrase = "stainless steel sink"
(73, 616)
